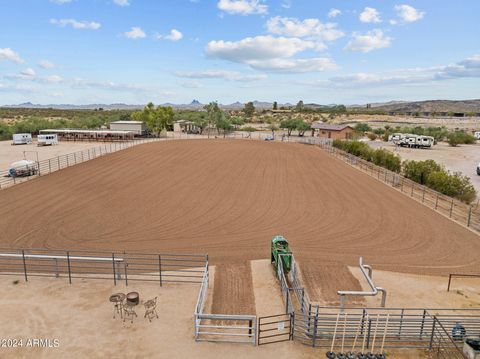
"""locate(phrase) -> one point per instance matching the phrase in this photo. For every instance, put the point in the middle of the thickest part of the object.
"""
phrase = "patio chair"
(117, 300)
(150, 309)
(129, 311)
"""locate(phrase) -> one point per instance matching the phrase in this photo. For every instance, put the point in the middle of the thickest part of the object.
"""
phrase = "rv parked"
(47, 140)
(22, 168)
(413, 141)
(22, 139)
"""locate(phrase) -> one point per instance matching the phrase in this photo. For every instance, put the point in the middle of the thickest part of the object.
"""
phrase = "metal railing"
(442, 344)
(115, 266)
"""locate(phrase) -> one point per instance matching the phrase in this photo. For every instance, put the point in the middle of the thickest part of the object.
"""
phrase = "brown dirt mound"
(228, 198)
(233, 289)
(322, 282)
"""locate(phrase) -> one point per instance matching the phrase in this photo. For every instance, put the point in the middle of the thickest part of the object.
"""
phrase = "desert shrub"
(248, 129)
(387, 159)
(453, 185)
(418, 171)
(371, 136)
(379, 131)
(460, 137)
(362, 127)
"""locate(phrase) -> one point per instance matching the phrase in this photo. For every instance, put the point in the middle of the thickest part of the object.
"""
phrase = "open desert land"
(462, 158)
(10, 154)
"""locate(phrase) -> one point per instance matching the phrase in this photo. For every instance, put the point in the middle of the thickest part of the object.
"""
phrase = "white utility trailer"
(47, 140)
(413, 141)
(22, 138)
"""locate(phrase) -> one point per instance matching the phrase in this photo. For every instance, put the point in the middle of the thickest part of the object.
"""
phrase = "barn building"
(335, 132)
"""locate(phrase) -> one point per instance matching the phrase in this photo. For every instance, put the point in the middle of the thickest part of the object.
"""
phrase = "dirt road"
(228, 198)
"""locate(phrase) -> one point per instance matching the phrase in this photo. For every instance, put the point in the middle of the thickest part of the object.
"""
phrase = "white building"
(137, 127)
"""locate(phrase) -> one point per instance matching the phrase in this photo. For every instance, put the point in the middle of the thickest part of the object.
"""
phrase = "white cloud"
(8, 54)
(468, 68)
(242, 7)
(121, 2)
(315, 64)
(174, 35)
(408, 13)
(61, 2)
(370, 15)
(334, 13)
(258, 48)
(45, 64)
(29, 72)
(80, 25)
(221, 74)
(135, 33)
(286, 4)
(310, 28)
(371, 40)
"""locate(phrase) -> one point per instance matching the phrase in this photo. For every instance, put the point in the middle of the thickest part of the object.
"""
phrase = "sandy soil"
(10, 154)
(268, 297)
(228, 198)
(422, 291)
(233, 293)
(463, 158)
(323, 280)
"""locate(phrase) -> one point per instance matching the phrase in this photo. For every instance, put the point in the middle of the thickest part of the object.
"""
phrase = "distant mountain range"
(392, 106)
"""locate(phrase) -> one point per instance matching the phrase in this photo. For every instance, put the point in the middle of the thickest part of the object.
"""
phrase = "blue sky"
(135, 51)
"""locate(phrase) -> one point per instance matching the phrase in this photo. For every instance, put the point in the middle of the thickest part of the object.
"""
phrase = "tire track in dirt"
(210, 196)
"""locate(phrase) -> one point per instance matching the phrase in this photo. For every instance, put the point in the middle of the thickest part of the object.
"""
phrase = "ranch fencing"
(221, 327)
(441, 331)
(54, 164)
(114, 266)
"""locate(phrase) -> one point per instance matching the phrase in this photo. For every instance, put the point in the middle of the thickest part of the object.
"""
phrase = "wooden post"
(24, 266)
(423, 195)
(469, 216)
(451, 209)
(160, 269)
(69, 270)
(449, 282)
(113, 265)
(436, 202)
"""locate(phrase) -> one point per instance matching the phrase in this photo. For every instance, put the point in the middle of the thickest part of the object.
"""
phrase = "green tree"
(249, 109)
(362, 127)
(300, 106)
(237, 121)
(419, 171)
(302, 127)
(225, 125)
(289, 124)
(156, 119)
(214, 115)
(275, 105)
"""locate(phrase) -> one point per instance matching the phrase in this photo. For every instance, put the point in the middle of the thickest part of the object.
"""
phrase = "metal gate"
(275, 329)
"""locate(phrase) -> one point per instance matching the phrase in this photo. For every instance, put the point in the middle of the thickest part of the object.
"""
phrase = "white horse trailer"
(22, 139)
(47, 140)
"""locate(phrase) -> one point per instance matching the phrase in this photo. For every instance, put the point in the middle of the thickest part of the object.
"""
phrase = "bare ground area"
(10, 154)
(323, 280)
(228, 198)
(233, 293)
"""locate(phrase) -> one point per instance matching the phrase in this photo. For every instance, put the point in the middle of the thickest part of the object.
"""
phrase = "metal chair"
(150, 309)
(117, 300)
(129, 311)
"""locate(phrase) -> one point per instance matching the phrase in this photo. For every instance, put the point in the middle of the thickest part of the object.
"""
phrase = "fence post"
(449, 281)
(451, 209)
(423, 323)
(469, 216)
(423, 195)
(69, 271)
(436, 202)
(368, 332)
(58, 159)
(160, 268)
(413, 187)
(24, 265)
(49, 166)
(315, 322)
(125, 265)
(114, 274)
(68, 165)
(433, 333)
(402, 186)
(401, 324)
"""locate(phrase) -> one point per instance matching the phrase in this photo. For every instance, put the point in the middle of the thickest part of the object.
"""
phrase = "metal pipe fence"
(114, 266)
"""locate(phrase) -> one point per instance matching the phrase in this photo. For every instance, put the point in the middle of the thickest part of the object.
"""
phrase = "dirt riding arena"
(228, 198)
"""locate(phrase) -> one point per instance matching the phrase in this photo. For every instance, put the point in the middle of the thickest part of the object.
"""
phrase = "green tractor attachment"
(281, 252)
